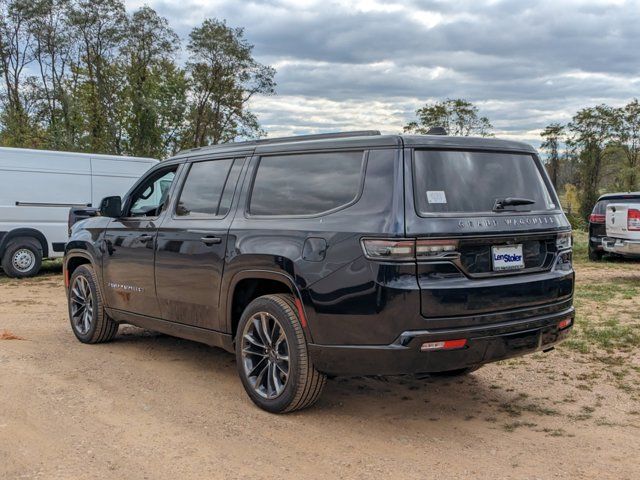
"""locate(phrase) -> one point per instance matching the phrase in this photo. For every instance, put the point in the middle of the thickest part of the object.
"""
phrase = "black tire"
(595, 255)
(303, 384)
(459, 372)
(22, 258)
(101, 328)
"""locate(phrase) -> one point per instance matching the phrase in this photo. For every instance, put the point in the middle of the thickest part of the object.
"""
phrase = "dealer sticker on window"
(436, 196)
(507, 257)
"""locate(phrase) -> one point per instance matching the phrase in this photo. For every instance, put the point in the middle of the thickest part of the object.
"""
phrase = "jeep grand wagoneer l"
(346, 254)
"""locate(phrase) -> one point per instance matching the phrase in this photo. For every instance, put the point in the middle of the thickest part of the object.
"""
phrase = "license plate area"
(507, 257)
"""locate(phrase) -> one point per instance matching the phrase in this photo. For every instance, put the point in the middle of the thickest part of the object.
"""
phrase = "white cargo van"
(37, 189)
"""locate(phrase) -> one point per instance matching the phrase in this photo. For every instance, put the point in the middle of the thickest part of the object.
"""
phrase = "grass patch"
(611, 335)
(515, 409)
(512, 426)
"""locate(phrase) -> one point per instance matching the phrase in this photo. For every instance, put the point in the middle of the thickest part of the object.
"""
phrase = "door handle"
(145, 238)
(211, 240)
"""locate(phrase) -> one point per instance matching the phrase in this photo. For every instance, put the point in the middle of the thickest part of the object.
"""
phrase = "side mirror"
(111, 207)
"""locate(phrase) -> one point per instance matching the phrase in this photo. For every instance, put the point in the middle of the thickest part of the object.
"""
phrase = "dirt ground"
(149, 406)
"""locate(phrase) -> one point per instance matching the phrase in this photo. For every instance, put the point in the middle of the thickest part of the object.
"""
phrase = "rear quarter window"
(306, 184)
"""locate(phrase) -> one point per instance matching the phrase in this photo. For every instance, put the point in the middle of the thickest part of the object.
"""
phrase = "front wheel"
(272, 357)
(89, 321)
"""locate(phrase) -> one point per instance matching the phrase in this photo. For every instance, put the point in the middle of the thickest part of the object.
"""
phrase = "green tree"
(224, 76)
(101, 26)
(591, 131)
(55, 49)
(457, 116)
(552, 136)
(155, 87)
(17, 96)
(626, 131)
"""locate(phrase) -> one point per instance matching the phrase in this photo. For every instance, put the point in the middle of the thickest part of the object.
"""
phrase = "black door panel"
(128, 266)
(129, 246)
(191, 245)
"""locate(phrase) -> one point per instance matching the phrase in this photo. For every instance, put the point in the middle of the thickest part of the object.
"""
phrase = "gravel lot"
(156, 407)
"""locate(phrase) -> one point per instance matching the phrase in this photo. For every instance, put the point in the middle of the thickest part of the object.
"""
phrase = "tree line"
(85, 75)
(598, 151)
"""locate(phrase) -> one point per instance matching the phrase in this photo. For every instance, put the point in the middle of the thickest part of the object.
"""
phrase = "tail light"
(435, 248)
(633, 219)
(597, 218)
(564, 241)
(407, 250)
(397, 250)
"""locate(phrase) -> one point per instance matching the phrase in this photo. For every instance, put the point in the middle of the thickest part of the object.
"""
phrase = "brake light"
(397, 250)
(432, 248)
(444, 345)
(597, 218)
(406, 250)
(633, 219)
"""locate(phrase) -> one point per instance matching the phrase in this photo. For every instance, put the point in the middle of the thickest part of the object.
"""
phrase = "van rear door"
(487, 226)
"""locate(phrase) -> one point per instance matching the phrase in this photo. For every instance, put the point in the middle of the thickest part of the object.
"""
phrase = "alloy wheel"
(265, 355)
(81, 305)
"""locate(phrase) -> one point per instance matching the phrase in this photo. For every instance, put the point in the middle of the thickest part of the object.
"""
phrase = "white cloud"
(365, 64)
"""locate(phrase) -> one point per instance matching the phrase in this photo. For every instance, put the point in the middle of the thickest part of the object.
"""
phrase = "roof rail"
(296, 138)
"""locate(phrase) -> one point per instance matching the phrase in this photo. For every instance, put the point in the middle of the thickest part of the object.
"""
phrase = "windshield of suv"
(462, 182)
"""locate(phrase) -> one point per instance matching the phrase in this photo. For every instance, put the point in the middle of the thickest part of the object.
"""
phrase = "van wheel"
(272, 357)
(89, 321)
(456, 373)
(22, 257)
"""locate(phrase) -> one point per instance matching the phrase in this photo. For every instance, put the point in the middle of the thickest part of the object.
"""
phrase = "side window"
(150, 197)
(202, 190)
(306, 184)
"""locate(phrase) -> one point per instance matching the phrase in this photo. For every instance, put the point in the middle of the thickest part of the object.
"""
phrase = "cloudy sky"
(370, 63)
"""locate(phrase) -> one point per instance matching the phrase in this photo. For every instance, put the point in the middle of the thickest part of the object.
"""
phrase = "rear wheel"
(89, 321)
(22, 257)
(595, 255)
(272, 357)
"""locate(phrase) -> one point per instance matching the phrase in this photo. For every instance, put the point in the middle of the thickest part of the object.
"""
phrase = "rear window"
(306, 184)
(463, 182)
(601, 207)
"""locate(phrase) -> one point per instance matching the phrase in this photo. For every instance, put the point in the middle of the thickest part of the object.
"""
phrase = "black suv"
(344, 254)
(597, 226)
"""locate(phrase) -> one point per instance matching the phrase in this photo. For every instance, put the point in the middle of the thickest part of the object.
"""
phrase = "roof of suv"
(361, 139)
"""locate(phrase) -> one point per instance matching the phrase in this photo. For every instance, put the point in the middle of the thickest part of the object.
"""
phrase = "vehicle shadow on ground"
(407, 397)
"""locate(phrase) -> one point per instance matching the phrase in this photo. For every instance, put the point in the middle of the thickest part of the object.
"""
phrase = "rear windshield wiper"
(501, 203)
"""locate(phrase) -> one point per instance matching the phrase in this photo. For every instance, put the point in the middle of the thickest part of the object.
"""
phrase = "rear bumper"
(621, 246)
(485, 344)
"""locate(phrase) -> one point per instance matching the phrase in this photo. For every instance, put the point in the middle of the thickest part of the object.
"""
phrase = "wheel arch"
(72, 260)
(25, 232)
(248, 285)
